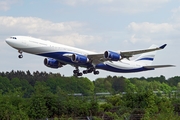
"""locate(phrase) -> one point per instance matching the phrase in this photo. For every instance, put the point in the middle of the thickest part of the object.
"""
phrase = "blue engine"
(52, 63)
(79, 59)
(112, 55)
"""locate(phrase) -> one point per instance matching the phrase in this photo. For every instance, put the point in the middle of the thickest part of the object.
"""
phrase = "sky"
(95, 25)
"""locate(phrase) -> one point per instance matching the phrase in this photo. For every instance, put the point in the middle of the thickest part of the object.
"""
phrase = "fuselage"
(60, 52)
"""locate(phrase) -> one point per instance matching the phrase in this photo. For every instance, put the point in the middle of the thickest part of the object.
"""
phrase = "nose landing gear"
(20, 56)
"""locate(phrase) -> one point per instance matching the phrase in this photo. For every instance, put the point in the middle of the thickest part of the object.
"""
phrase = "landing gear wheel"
(78, 74)
(90, 71)
(96, 72)
(85, 71)
(75, 71)
(20, 56)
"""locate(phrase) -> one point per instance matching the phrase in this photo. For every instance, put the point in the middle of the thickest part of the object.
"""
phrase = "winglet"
(163, 46)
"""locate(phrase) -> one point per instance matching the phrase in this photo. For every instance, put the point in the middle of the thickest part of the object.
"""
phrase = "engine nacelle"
(112, 55)
(79, 59)
(52, 63)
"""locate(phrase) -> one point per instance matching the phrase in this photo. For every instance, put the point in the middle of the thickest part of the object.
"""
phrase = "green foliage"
(5, 84)
(112, 116)
(71, 85)
(118, 84)
(38, 107)
(46, 95)
(130, 87)
(166, 88)
(115, 100)
(94, 107)
(103, 85)
(106, 107)
(12, 107)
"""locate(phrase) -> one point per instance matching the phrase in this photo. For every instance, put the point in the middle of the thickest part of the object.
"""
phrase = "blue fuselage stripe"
(59, 56)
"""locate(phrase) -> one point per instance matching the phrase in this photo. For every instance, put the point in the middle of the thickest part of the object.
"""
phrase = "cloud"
(133, 7)
(62, 32)
(120, 6)
(5, 4)
(86, 2)
(135, 39)
(75, 39)
(150, 32)
(31, 25)
(176, 14)
(147, 27)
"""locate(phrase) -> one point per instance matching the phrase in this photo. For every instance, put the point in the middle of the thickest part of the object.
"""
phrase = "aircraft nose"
(8, 41)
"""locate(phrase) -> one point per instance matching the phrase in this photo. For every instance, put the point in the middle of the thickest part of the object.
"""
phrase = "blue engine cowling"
(52, 63)
(79, 59)
(112, 55)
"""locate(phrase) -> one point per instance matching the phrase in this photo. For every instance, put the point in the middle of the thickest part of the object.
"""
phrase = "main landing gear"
(20, 56)
(77, 73)
(90, 70)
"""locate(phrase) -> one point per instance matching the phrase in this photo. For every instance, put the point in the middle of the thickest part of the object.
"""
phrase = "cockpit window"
(13, 37)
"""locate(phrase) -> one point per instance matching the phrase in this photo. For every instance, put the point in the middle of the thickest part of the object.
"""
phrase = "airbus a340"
(58, 55)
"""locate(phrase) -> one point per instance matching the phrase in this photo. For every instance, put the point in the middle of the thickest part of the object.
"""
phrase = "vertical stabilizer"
(146, 58)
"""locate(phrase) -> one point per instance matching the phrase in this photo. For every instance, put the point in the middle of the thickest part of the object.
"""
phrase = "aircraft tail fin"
(146, 58)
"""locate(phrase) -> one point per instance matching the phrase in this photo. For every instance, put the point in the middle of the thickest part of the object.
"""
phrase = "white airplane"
(58, 55)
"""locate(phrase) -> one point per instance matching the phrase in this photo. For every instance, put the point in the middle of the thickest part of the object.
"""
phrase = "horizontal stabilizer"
(158, 66)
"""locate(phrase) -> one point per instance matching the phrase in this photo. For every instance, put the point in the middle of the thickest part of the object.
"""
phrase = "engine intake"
(112, 55)
(52, 63)
(79, 59)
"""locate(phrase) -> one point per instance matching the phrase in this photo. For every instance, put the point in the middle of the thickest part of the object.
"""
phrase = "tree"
(37, 107)
(12, 106)
(118, 84)
(129, 87)
(5, 84)
(37, 104)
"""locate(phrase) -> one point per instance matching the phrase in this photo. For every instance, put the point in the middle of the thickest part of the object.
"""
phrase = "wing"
(128, 54)
(96, 58)
(99, 58)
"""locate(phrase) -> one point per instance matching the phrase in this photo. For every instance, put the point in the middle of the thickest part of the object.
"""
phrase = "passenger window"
(13, 37)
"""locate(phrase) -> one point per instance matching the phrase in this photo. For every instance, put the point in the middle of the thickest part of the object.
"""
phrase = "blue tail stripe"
(150, 59)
